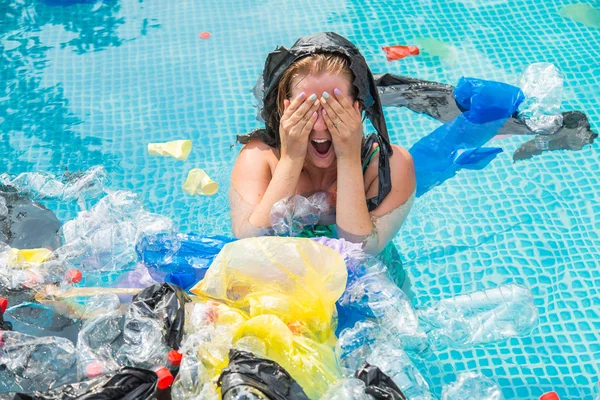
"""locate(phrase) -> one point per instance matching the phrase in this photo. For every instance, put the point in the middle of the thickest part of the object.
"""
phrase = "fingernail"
(315, 114)
(324, 112)
(326, 95)
(302, 95)
(336, 91)
(323, 100)
(313, 97)
(316, 103)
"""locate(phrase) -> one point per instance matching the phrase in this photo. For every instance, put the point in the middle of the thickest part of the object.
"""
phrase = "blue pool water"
(93, 83)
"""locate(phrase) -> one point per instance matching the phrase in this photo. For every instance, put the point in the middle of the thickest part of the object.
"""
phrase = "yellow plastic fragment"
(179, 149)
(26, 258)
(198, 182)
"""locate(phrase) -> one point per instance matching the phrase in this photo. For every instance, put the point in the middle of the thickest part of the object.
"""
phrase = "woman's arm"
(257, 190)
(352, 215)
(389, 216)
(386, 220)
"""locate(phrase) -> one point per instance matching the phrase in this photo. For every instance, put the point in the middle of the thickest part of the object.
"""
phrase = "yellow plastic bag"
(310, 363)
(297, 280)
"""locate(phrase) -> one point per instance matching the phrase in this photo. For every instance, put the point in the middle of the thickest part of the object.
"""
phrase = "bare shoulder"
(403, 179)
(402, 168)
(252, 171)
(255, 154)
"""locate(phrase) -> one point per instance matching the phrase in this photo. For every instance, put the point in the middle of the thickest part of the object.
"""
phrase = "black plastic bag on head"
(165, 302)
(258, 375)
(379, 385)
(126, 384)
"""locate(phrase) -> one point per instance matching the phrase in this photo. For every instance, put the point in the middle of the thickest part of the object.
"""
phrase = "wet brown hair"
(314, 64)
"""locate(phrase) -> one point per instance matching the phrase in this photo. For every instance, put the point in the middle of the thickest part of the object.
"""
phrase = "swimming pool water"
(90, 84)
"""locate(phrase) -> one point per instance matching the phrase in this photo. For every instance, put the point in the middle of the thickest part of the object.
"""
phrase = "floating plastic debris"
(198, 182)
(583, 13)
(470, 385)
(82, 186)
(394, 53)
(104, 238)
(3, 208)
(204, 35)
(486, 316)
(436, 48)
(179, 149)
(542, 84)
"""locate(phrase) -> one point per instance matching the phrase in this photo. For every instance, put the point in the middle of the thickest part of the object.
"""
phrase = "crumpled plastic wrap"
(470, 385)
(82, 186)
(103, 239)
(289, 216)
(32, 269)
(32, 363)
(542, 84)
(152, 325)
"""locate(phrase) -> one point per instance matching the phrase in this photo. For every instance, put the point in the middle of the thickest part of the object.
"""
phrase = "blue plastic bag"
(486, 106)
(179, 259)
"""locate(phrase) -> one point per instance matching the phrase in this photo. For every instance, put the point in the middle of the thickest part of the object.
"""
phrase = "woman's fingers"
(303, 115)
(343, 100)
(336, 112)
(294, 105)
(310, 123)
(331, 126)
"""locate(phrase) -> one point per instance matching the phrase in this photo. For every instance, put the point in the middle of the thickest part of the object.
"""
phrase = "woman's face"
(320, 151)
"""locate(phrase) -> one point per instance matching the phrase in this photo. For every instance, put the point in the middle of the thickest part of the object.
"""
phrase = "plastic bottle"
(395, 363)
(486, 316)
(374, 296)
(31, 363)
(165, 378)
(174, 358)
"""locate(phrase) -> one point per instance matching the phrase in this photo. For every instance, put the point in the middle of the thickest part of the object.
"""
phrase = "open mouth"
(321, 146)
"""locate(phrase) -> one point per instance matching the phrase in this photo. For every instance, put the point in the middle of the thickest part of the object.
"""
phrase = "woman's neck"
(322, 178)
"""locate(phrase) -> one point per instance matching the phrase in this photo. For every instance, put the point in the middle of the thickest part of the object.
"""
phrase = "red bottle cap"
(3, 305)
(174, 358)
(204, 35)
(549, 396)
(165, 378)
(74, 276)
(94, 369)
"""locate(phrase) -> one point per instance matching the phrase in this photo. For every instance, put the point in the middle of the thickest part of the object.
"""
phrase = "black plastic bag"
(167, 301)
(268, 377)
(437, 101)
(126, 384)
(379, 385)
(28, 225)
